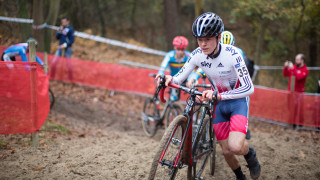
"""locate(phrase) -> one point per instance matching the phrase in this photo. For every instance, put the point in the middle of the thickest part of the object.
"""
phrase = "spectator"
(65, 35)
(300, 72)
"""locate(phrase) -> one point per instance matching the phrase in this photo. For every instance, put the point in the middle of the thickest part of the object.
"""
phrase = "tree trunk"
(199, 8)
(24, 13)
(51, 20)
(37, 15)
(260, 41)
(172, 20)
(313, 46)
(297, 29)
(133, 20)
(98, 5)
(259, 44)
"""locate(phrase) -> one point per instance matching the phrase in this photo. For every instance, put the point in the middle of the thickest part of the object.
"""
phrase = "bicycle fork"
(187, 158)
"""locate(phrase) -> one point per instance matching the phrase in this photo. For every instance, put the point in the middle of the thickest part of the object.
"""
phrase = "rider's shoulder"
(196, 52)
(171, 53)
(230, 49)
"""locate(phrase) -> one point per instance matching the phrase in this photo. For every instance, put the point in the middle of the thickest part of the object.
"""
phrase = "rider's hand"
(209, 95)
(191, 82)
(286, 63)
(168, 79)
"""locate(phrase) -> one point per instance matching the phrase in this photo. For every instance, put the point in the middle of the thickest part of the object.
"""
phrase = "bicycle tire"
(202, 142)
(179, 122)
(173, 111)
(213, 154)
(149, 122)
(52, 99)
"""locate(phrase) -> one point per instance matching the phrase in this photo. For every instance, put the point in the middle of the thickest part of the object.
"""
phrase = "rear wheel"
(169, 153)
(51, 98)
(149, 121)
(173, 111)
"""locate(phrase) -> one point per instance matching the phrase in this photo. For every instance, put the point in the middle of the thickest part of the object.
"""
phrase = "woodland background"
(269, 31)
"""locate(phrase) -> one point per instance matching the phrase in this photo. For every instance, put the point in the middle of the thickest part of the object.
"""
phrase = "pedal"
(175, 141)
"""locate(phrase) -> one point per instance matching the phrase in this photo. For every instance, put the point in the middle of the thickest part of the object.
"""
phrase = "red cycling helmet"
(180, 42)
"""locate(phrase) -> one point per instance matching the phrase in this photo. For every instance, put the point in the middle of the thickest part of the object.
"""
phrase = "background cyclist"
(19, 50)
(175, 59)
(226, 70)
(226, 38)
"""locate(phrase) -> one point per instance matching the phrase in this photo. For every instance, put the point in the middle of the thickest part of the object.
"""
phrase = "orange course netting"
(277, 105)
(24, 98)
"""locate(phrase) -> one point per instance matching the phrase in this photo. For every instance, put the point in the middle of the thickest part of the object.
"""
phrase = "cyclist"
(175, 59)
(19, 50)
(225, 69)
(226, 38)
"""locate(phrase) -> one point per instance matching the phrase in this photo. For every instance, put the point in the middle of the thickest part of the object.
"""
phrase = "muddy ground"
(93, 135)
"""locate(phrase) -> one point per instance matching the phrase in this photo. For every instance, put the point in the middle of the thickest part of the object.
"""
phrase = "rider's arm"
(22, 53)
(39, 61)
(185, 71)
(246, 86)
(165, 63)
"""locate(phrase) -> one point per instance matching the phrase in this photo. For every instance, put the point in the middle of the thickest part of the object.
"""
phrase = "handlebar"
(192, 91)
(203, 85)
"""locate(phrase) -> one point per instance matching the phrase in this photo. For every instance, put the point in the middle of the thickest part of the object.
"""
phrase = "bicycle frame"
(186, 141)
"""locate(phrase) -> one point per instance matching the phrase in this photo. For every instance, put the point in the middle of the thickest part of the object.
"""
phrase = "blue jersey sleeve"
(164, 64)
(39, 61)
(22, 53)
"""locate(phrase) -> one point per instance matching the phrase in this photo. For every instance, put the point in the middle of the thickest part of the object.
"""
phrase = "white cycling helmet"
(227, 38)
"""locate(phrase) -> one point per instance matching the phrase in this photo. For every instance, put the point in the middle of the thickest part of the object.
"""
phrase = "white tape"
(39, 26)
(89, 36)
(21, 20)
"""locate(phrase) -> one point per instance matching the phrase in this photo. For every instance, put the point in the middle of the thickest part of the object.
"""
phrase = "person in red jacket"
(300, 71)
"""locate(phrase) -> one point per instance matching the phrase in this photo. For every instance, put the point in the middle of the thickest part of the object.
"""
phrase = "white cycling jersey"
(226, 71)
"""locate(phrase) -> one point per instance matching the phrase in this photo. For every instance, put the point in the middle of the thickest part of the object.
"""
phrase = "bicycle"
(152, 119)
(193, 152)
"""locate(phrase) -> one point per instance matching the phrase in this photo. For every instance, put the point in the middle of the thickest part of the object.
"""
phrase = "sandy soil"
(107, 142)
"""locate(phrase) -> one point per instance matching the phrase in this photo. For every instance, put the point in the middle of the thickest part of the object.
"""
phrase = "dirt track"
(107, 142)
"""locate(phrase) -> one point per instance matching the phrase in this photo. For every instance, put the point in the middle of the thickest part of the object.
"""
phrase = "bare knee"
(236, 148)
(227, 153)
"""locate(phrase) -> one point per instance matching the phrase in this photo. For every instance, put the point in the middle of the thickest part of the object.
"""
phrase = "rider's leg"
(237, 143)
(231, 159)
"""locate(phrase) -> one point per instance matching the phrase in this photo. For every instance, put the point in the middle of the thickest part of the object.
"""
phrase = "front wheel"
(203, 151)
(149, 119)
(169, 153)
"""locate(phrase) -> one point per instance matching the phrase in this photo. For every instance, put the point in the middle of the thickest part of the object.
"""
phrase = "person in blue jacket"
(65, 35)
(175, 59)
(19, 50)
